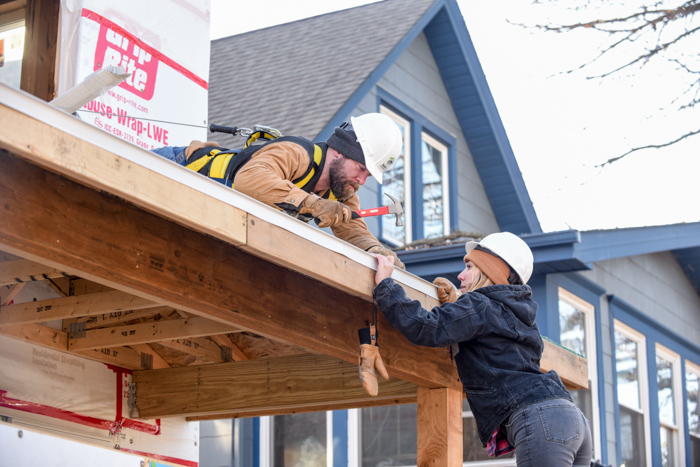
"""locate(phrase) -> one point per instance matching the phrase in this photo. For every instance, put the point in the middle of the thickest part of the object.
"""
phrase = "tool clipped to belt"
(262, 132)
(370, 360)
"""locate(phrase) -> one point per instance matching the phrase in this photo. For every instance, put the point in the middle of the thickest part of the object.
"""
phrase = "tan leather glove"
(370, 360)
(380, 250)
(194, 145)
(328, 212)
(447, 292)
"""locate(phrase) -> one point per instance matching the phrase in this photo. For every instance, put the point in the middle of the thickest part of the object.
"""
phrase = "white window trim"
(354, 445)
(408, 206)
(690, 367)
(445, 179)
(266, 441)
(589, 312)
(640, 339)
(679, 441)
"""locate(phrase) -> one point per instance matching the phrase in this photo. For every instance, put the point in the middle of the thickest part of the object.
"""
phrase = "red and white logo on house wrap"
(116, 46)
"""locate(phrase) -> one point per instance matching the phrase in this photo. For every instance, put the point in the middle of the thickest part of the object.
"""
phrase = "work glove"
(380, 250)
(370, 360)
(194, 145)
(446, 292)
(327, 212)
(371, 363)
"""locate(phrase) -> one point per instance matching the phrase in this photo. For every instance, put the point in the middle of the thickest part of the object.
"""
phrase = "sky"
(561, 126)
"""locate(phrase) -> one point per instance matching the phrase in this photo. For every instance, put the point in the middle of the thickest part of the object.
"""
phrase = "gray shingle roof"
(296, 76)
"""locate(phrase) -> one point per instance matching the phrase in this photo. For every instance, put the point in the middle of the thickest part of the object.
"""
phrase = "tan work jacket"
(268, 177)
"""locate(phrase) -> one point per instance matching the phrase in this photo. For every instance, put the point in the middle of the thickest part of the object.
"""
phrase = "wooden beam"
(338, 405)
(37, 334)
(571, 367)
(223, 340)
(56, 339)
(143, 187)
(113, 318)
(440, 427)
(40, 46)
(303, 382)
(158, 361)
(105, 237)
(9, 292)
(12, 6)
(123, 357)
(69, 307)
(199, 346)
(142, 333)
(22, 270)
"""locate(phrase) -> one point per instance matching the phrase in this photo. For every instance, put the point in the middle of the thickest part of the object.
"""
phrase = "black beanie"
(345, 142)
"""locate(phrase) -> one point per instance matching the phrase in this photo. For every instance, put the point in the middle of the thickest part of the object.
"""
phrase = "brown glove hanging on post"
(380, 250)
(446, 292)
(370, 361)
(328, 212)
(194, 145)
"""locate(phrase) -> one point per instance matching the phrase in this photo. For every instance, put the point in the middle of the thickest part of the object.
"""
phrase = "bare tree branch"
(650, 146)
(648, 31)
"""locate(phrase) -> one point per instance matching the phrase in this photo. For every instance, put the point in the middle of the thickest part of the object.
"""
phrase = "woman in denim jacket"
(490, 325)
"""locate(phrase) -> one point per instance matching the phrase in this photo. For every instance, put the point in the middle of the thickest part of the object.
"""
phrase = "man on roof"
(304, 179)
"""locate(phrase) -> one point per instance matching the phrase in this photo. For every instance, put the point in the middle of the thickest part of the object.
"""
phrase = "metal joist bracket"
(77, 330)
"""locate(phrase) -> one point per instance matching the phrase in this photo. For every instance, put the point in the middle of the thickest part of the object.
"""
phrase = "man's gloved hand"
(370, 360)
(328, 212)
(194, 145)
(447, 292)
(380, 250)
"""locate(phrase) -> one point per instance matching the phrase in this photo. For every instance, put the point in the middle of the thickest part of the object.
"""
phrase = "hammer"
(394, 208)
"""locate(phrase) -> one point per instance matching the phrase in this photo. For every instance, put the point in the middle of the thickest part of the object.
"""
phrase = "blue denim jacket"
(499, 346)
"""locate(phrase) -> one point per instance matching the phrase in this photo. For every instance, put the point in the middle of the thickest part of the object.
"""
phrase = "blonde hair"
(479, 279)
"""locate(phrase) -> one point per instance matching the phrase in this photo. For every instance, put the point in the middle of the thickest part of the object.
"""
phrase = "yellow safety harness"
(223, 164)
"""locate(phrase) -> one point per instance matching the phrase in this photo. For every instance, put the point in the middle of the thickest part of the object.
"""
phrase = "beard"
(342, 187)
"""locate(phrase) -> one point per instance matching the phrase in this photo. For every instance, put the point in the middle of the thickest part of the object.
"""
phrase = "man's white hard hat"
(380, 139)
(511, 249)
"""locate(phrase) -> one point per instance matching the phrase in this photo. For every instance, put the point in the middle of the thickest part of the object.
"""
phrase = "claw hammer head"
(397, 209)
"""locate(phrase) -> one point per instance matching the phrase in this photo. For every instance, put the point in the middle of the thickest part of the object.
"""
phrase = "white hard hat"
(511, 249)
(380, 139)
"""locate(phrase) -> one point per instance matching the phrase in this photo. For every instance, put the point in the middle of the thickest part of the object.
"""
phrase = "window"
(668, 384)
(300, 439)
(577, 332)
(632, 396)
(397, 183)
(692, 386)
(389, 435)
(473, 450)
(11, 47)
(421, 180)
(436, 219)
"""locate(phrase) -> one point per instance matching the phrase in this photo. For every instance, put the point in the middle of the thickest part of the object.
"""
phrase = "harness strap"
(304, 179)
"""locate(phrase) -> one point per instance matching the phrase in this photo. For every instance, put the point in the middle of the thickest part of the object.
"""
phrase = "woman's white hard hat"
(511, 249)
(380, 139)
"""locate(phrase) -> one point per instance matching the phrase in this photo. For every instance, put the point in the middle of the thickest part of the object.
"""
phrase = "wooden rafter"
(143, 333)
(224, 341)
(69, 307)
(158, 361)
(22, 270)
(114, 318)
(198, 346)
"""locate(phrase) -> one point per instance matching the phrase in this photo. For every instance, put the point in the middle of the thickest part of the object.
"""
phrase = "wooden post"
(439, 427)
(40, 46)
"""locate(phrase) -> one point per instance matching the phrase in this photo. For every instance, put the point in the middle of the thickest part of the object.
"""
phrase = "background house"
(625, 299)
